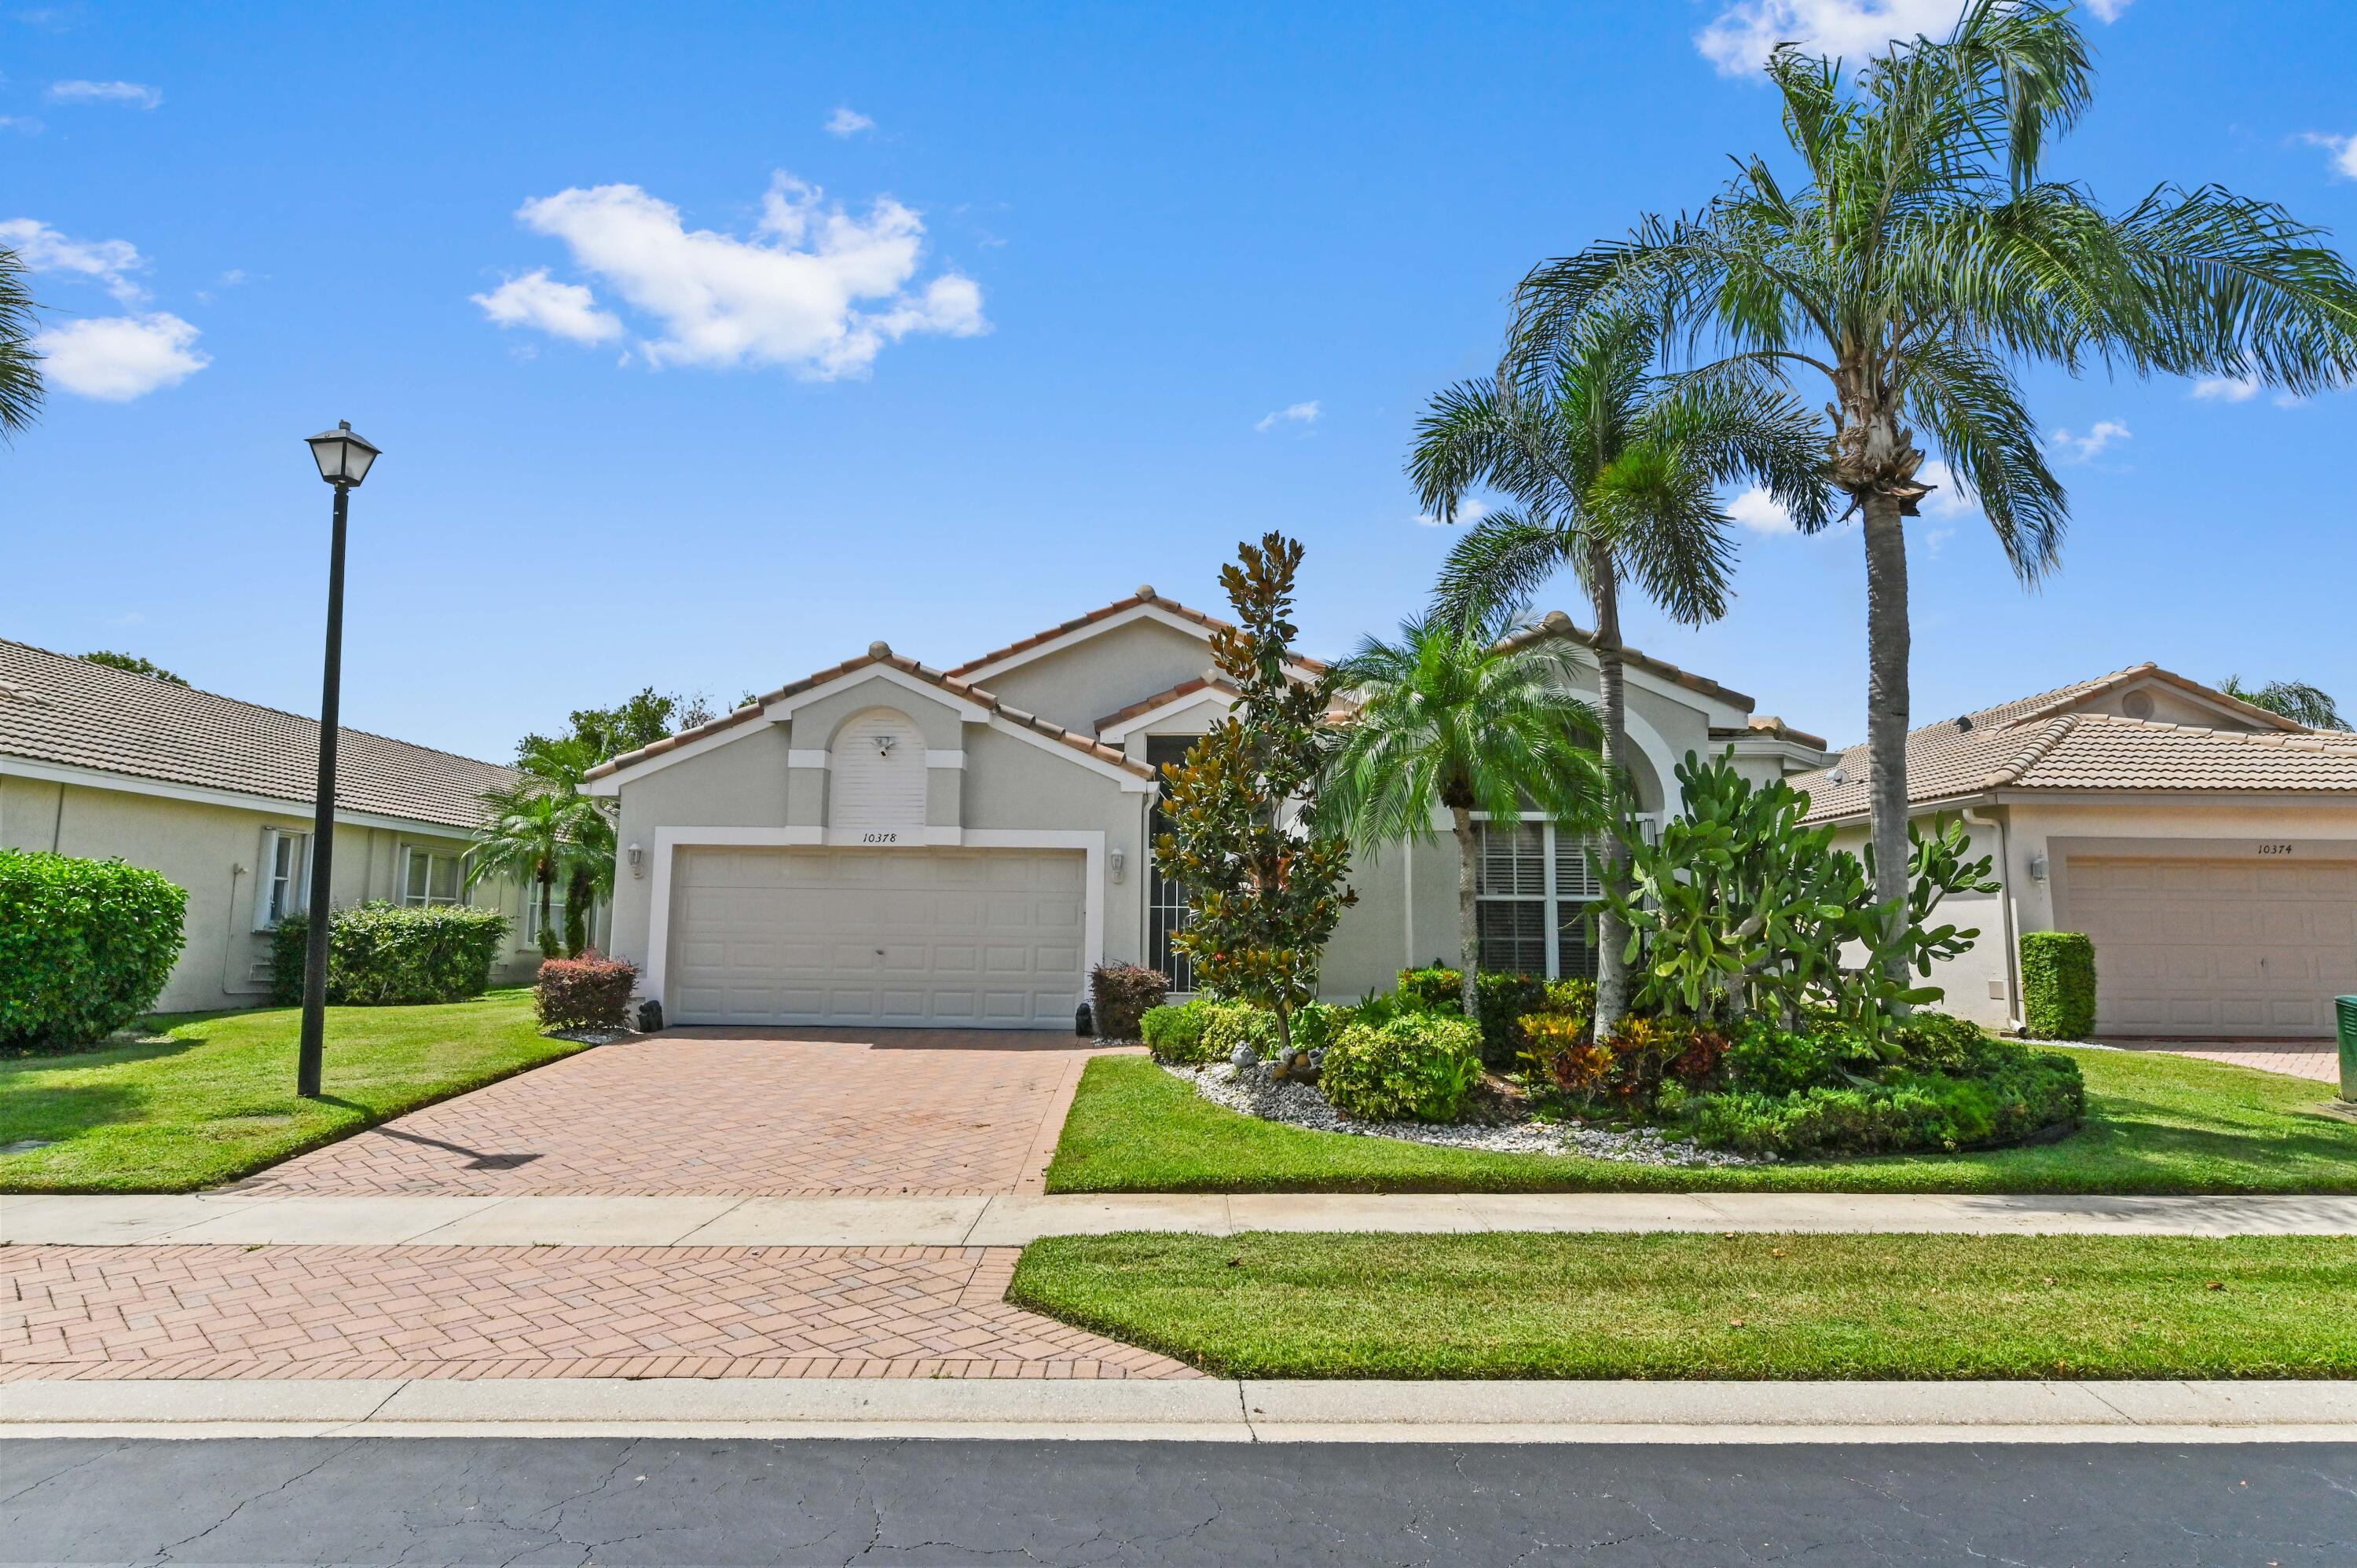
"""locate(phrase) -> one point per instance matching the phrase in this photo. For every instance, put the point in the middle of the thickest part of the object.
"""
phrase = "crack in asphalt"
(164, 1553)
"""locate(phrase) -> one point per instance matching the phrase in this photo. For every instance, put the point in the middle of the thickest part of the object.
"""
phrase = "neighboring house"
(887, 843)
(216, 794)
(2208, 846)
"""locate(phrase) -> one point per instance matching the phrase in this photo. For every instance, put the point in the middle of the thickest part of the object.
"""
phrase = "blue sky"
(707, 344)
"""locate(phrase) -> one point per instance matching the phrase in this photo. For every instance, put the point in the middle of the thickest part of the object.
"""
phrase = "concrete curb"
(1209, 1410)
(1011, 1219)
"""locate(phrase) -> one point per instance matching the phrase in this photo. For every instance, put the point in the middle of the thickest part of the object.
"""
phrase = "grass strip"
(1682, 1306)
(2155, 1123)
(212, 1097)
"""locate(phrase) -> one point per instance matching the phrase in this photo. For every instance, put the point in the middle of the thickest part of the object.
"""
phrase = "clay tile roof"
(1555, 623)
(72, 712)
(877, 653)
(1184, 689)
(2029, 745)
(1774, 728)
(1145, 595)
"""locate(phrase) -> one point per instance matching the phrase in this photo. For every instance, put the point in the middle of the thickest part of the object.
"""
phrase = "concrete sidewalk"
(243, 1219)
(1206, 1411)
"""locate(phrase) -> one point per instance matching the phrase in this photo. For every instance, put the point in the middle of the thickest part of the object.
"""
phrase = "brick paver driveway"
(765, 1113)
(535, 1311)
(2319, 1059)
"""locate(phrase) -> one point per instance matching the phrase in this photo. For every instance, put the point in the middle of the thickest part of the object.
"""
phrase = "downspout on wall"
(2005, 912)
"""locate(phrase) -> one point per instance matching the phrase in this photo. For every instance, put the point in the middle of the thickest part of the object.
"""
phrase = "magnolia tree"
(1265, 888)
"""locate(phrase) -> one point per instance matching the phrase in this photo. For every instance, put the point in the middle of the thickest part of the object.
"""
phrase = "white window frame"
(409, 853)
(268, 910)
(530, 924)
(1551, 899)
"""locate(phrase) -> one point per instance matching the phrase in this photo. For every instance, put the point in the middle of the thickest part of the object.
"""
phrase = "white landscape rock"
(1253, 1092)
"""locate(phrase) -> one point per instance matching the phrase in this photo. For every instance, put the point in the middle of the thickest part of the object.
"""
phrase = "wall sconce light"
(2037, 866)
(1119, 860)
(637, 859)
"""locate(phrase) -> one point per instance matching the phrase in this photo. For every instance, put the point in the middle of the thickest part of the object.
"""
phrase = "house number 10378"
(879, 838)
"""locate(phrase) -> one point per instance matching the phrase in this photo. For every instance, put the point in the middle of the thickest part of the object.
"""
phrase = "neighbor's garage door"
(2217, 946)
(946, 938)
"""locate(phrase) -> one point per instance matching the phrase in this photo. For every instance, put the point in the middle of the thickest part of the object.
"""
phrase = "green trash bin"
(2347, 1007)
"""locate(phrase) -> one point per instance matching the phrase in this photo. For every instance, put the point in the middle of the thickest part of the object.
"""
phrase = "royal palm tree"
(2295, 700)
(1921, 257)
(1615, 473)
(20, 362)
(1454, 716)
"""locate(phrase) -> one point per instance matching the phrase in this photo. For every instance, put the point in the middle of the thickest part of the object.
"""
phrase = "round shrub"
(584, 993)
(85, 947)
(1174, 1033)
(1227, 1025)
(1120, 995)
(1417, 1067)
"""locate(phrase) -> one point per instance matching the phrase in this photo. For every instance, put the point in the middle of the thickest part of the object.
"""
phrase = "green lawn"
(2155, 1123)
(1661, 1306)
(213, 1097)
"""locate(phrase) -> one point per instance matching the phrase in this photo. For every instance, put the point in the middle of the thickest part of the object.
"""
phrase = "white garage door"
(2217, 946)
(946, 938)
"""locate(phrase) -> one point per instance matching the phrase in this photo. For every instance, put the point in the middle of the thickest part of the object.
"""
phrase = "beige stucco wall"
(214, 852)
(1983, 984)
(1076, 686)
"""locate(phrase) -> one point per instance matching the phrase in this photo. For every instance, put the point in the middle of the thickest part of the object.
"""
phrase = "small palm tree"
(1450, 717)
(2295, 700)
(523, 836)
(1922, 258)
(560, 765)
(1614, 472)
(20, 362)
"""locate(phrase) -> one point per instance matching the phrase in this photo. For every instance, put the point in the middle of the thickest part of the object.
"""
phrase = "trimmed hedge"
(1419, 1067)
(392, 955)
(85, 947)
(584, 993)
(1907, 1112)
(1120, 995)
(2057, 985)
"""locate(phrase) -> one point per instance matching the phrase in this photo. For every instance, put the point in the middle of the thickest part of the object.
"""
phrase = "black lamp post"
(343, 458)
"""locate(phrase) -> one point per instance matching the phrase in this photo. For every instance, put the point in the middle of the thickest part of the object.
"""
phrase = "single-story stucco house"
(885, 842)
(2208, 847)
(216, 794)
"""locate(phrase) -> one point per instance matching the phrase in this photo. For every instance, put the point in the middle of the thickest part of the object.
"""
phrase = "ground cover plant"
(2154, 1123)
(1685, 1305)
(210, 1097)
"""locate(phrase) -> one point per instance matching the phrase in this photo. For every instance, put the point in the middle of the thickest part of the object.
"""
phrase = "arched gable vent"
(876, 772)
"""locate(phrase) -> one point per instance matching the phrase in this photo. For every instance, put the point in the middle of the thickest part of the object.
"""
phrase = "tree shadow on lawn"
(57, 1111)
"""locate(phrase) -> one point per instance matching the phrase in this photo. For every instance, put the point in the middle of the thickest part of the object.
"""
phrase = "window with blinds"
(1533, 889)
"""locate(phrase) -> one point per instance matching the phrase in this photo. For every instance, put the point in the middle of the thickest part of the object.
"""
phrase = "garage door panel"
(909, 937)
(2199, 947)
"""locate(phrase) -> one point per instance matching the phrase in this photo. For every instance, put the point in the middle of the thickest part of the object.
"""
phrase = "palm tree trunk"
(548, 943)
(1611, 934)
(1887, 638)
(1470, 949)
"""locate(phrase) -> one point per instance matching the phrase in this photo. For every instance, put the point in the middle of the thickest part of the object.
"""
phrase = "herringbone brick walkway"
(535, 1311)
(934, 1113)
(2319, 1059)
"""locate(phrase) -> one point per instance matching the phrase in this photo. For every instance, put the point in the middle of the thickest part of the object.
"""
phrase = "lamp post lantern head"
(343, 457)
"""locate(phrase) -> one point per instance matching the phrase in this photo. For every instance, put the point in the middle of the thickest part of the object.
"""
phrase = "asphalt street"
(668, 1502)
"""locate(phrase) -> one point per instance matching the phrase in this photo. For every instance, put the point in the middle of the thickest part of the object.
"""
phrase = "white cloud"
(1947, 499)
(847, 121)
(1293, 413)
(1757, 510)
(1468, 512)
(564, 310)
(108, 262)
(139, 95)
(2226, 388)
(1739, 39)
(2083, 448)
(25, 123)
(2342, 148)
(796, 294)
(118, 358)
